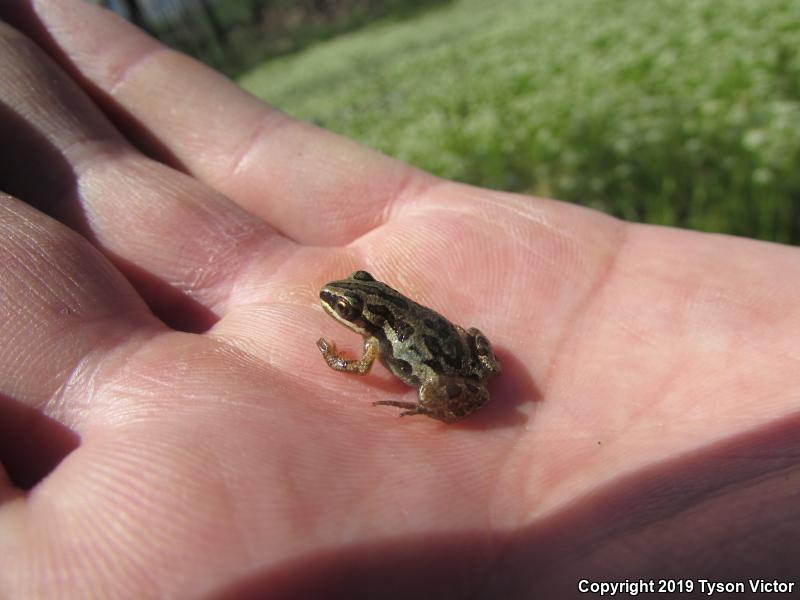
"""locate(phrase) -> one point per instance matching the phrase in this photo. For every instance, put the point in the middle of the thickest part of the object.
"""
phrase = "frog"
(448, 365)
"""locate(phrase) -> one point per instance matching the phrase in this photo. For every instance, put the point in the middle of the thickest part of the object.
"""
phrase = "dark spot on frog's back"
(393, 298)
(432, 344)
(381, 312)
(452, 355)
(402, 366)
(402, 329)
(435, 364)
(430, 323)
(442, 328)
(453, 348)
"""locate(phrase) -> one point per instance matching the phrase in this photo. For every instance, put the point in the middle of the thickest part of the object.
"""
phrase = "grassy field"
(678, 112)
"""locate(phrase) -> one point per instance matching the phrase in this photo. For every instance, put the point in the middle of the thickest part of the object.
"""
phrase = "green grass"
(678, 112)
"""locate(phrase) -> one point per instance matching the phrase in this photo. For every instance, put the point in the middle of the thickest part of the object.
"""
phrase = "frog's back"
(429, 344)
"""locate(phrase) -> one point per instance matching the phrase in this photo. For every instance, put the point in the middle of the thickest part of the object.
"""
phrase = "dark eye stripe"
(376, 288)
(327, 297)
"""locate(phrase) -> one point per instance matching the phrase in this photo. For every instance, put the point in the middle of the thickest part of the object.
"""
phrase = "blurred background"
(676, 112)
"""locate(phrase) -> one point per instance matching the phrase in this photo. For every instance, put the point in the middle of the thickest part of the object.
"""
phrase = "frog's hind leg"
(413, 407)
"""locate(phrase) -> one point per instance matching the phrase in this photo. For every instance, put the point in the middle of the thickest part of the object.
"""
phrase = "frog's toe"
(397, 403)
(414, 411)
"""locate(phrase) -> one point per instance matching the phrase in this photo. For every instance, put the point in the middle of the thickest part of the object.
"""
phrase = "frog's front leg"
(337, 362)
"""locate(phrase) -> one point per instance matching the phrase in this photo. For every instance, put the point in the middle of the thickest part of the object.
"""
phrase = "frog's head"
(344, 300)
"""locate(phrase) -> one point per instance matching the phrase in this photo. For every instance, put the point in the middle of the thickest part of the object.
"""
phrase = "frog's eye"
(362, 276)
(348, 308)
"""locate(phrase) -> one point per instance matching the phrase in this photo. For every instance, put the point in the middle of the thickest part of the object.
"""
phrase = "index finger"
(183, 113)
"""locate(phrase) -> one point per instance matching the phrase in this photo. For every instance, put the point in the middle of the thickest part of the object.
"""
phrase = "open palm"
(645, 423)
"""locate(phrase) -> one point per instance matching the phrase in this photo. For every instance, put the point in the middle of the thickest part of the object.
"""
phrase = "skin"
(168, 429)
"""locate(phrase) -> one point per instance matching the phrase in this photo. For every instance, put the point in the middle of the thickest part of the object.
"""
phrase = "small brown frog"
(448, 366)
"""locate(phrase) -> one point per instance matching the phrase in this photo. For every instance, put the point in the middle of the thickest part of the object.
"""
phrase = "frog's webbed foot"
(338, 362)
(414, 408)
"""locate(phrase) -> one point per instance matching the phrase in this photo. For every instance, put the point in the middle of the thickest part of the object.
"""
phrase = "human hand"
(644, 423)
